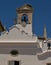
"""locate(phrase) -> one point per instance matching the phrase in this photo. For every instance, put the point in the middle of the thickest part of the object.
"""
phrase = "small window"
(14, 52)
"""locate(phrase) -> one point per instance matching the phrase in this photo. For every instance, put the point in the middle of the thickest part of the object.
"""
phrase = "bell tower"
(24, 18)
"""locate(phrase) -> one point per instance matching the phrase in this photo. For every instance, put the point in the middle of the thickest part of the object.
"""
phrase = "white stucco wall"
(24, 59)
(16, 34)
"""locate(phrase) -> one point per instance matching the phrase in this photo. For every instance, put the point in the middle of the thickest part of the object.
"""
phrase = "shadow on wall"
(44, 56)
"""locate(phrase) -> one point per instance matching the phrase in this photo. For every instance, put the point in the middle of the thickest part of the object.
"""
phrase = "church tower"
(24, 18)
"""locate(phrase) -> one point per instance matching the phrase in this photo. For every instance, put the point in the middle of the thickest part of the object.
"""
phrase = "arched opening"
(24, 18)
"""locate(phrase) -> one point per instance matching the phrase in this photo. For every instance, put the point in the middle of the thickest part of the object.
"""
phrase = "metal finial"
(45, 33)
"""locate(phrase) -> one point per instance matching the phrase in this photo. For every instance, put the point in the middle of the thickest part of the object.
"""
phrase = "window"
(16, 62)
(13, 63)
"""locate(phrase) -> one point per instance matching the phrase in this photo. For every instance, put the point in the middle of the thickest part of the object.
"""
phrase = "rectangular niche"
(13, 63)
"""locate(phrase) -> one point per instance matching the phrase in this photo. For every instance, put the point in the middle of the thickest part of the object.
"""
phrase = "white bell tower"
(24, 18)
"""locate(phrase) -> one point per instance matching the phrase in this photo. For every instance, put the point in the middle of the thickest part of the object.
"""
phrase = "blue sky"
(41, 15)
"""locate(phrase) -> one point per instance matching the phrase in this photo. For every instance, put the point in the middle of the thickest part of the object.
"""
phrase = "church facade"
(19, 46)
